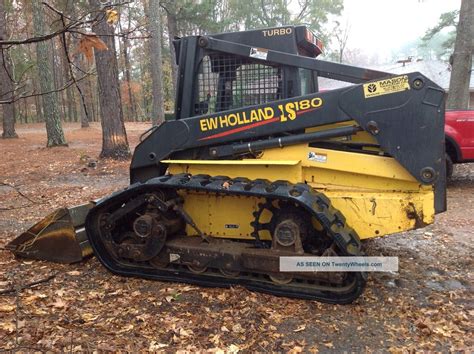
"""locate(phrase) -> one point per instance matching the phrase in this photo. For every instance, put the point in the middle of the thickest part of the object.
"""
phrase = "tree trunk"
(54, 129)
(70, 104)
(38, 104)
(6, 84)
(172, 32)
(85, 104)
(126, 58)
(92, 99)
(25, 101)
(144, 107)
(69, 70)
(58, 80)
(74, 107)
(114, 137)
(158, 113)
(458, 96)
(131, 99)
(84, 101)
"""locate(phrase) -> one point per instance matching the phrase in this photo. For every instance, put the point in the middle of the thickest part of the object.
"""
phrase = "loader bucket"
(60, 237)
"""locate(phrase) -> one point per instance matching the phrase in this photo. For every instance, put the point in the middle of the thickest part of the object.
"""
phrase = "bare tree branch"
(81, 22)
(16, 189)
(28, 285)
(74, 26)
(70, 65)
(302, 13)
(25, 95)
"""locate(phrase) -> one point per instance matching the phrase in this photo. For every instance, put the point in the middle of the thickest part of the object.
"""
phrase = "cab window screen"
(226, 82)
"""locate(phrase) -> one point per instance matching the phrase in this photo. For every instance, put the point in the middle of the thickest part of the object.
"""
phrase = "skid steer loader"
(259, 164)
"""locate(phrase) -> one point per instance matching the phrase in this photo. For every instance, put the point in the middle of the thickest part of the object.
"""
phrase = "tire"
(449, 166)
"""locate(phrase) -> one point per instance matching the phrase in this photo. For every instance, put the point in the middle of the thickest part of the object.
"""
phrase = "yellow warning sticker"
(384, 87)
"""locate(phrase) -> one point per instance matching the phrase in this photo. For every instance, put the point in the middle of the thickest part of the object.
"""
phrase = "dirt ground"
(427, 305)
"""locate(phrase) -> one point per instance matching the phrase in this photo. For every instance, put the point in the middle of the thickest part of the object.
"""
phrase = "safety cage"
(228, 82)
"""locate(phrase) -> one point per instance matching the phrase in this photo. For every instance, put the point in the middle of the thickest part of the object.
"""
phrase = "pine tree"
(458, 97)
(156, 64)
(114, 136)
(6, 84)
(44, 58)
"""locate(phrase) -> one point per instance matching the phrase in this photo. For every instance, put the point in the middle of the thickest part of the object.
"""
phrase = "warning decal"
(314, 156)
(384, 87)
(259, 53)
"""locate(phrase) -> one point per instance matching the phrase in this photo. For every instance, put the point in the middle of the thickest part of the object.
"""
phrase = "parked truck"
(459, 130)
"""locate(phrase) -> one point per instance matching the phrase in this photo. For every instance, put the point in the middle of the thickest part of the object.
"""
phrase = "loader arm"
(331, 70)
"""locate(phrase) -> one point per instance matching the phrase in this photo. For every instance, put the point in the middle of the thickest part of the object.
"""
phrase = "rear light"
(319, 44)
(311, 38)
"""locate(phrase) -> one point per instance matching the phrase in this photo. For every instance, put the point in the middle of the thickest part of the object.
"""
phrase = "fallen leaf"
(237, 328)
(126, 328)
(89, 317)
(7, 308)
(7, 326)
(185, 333)
(232, 348)
(59, 303)
(329, 344)
(188, 288)
(89, 42)
(112, 16)
(300, 328)
(156, 346)
(215, 339)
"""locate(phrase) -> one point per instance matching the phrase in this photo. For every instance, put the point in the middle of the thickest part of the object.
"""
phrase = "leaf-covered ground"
(82, 307)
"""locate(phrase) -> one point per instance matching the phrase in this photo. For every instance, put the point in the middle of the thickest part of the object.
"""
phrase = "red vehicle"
(459, 130)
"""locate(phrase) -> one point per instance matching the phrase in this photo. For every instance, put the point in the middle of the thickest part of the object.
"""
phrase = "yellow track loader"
(259, 164)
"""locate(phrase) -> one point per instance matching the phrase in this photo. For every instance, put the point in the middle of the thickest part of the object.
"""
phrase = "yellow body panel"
(375, 193)
(219, 216)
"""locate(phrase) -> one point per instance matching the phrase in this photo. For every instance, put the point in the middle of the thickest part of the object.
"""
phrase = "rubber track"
(301, 194)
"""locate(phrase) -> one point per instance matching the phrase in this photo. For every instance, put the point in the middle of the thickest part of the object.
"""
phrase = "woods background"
(52, 74)
(91, 60)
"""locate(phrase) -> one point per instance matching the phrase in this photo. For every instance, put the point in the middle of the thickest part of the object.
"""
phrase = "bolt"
(373, 128)
(418, 84)
(203, 42)
(427, 175)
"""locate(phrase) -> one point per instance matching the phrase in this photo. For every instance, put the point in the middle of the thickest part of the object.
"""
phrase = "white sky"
(382, 26)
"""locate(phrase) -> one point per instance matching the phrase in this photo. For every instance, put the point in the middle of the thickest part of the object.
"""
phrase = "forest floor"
(426, 305)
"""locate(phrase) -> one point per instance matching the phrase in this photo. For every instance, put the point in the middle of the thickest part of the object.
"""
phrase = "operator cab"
(219, 82)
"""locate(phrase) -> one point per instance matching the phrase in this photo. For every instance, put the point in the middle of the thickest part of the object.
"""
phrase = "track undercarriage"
(141, 232)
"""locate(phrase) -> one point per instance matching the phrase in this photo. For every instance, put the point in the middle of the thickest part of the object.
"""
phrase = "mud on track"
(427, 305)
